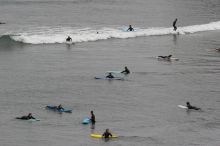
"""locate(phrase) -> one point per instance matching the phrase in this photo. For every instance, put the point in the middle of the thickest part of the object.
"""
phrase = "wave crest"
(58, 35)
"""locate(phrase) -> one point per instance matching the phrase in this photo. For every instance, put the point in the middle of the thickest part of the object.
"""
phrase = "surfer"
(106, 134)
(218, 49)
(60, 107)
(165, 57)
(92, 118)
(110, 76)
(126, 71)
(189, 106)
(68, 39)
(130, 28)
(29, 116)
(174, 25)
(2, 23)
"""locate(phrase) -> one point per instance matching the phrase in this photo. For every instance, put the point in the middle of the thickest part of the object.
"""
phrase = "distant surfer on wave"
(130, 28)
(69, 39)
(2, 23)
(174, 25)
(189, 106)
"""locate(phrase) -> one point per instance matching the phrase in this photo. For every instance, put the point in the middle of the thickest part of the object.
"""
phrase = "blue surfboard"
(54, 108)
(86, 121)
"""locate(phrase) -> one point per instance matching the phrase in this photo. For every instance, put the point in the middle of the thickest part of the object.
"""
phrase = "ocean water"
(37, 68)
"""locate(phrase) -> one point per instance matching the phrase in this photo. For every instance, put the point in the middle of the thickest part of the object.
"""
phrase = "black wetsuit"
(68, 39)
(25, 117)
(110, 76)
(93, 119)
(126, 71)
(106, 135)
(130, 29)
(174, 25)
(192, 107)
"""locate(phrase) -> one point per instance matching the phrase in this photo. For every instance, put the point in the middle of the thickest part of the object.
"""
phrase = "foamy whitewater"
(48, 35)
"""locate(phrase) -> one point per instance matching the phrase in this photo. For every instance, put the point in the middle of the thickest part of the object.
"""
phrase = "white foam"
(45, 35)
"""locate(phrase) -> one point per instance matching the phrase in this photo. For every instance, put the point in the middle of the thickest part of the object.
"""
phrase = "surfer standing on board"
(174, 25)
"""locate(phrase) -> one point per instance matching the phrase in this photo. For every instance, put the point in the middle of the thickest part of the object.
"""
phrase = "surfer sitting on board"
(130, 28)
(92, 118)
(174, 25)
(110, 76)
(68, 39)
(189, 106)
(126, 71)
(60, 107)
(29, 116)
(106, 134)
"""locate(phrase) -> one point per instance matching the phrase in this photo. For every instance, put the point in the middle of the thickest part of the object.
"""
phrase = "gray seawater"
(142, 109)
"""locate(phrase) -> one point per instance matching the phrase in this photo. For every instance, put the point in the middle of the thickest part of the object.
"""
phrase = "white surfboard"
(182, 106)
(167, 59)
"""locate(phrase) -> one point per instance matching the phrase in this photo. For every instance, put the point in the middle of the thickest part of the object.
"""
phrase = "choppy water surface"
(37, 68)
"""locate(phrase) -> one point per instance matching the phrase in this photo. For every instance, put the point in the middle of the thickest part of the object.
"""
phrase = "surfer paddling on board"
(107, 134)
(165, 57)
(130, 28)
(174, 25)
(2, 22)
(110, 76)
(29, 116)
(69, 39)
(126, 71)
(189, 106)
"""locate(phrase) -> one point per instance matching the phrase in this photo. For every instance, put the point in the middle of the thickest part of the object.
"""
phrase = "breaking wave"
(46, 35)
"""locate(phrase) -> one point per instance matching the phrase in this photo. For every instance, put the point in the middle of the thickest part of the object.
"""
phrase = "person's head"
(107, 130)
(126, 67)
(129, 25)
(110, 74)
(30, 114)
(91, 112)
(170, 56)
(176, 19)
(187, 103)
(59, 105)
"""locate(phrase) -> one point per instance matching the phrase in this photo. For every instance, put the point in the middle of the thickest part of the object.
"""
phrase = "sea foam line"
(50, 35)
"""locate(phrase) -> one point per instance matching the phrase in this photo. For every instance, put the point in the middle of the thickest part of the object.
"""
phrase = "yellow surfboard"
(100, 136)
